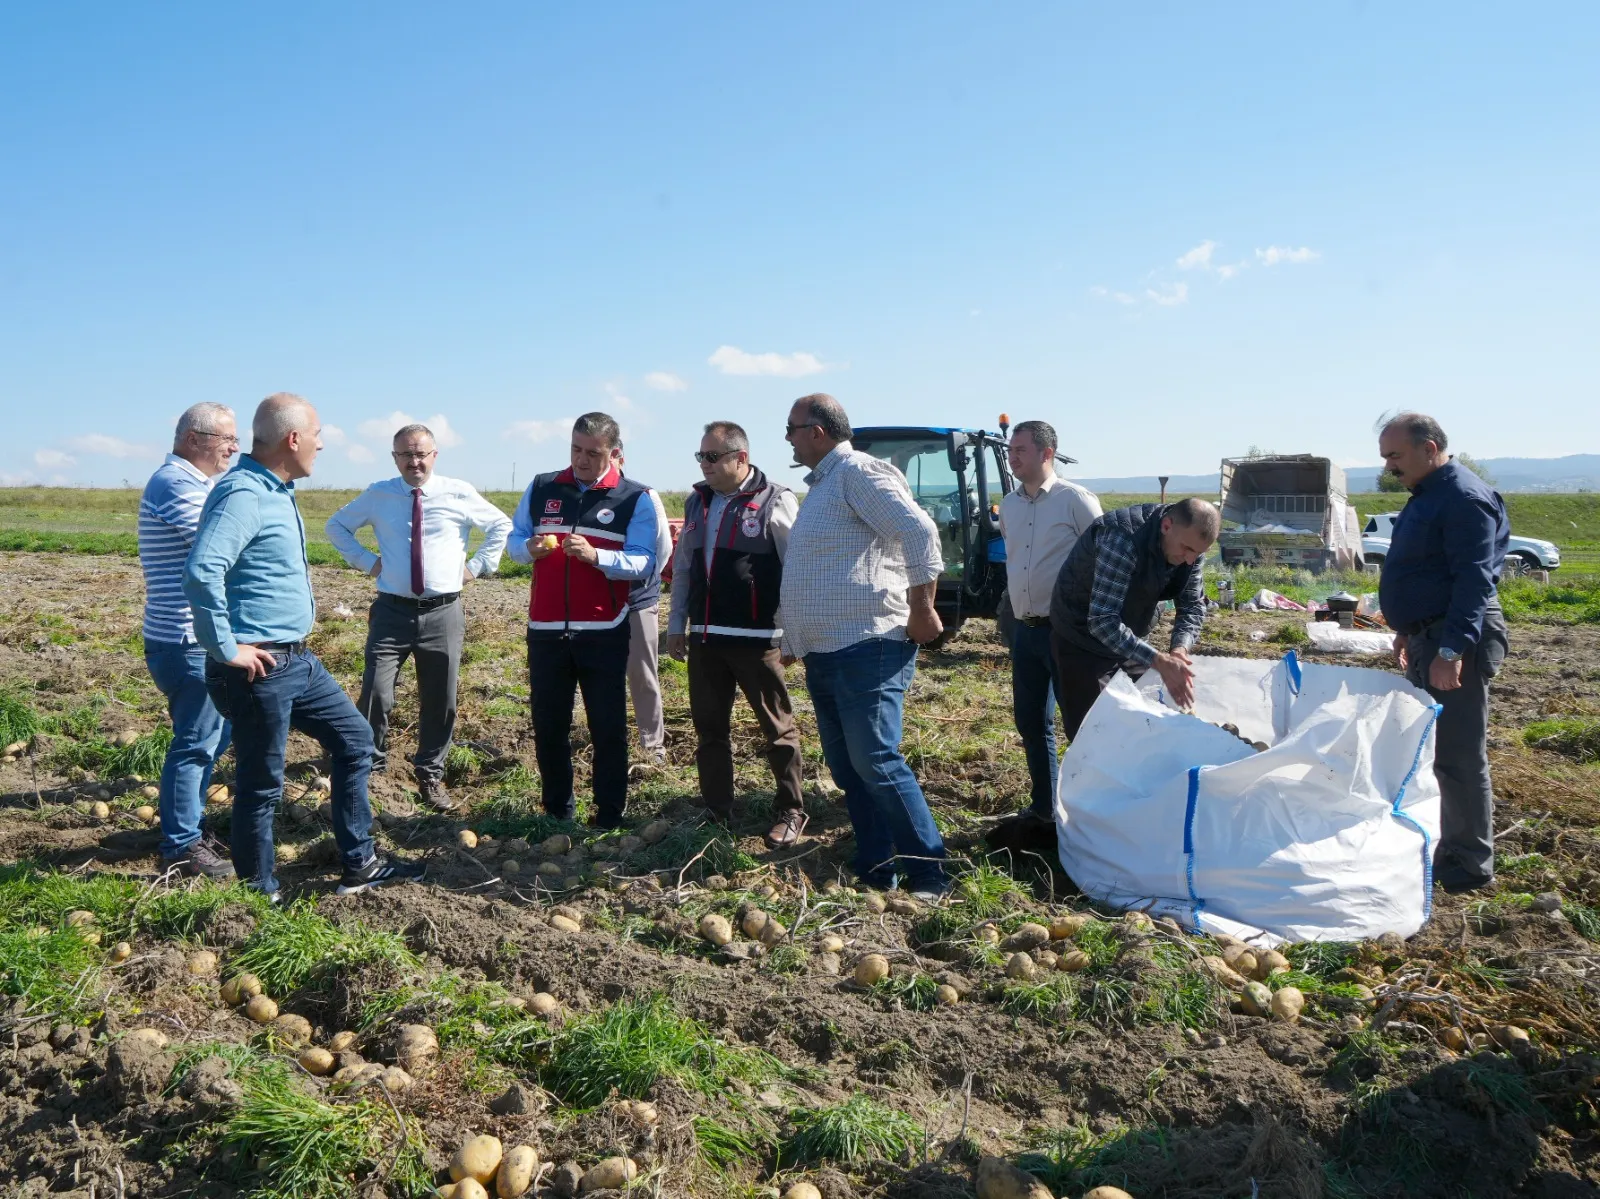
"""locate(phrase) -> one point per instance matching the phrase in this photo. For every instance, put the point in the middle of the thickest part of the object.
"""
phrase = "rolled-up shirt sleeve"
(521, 529)
(1113, 569)
(496, 526)
(1470, 528)
(882, 501)
(341, 529)
(223, 533)
(1191, 611)
(637, 558)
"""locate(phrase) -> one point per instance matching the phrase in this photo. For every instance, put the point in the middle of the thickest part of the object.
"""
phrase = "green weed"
(1099, 940)
(1572, 736)
(1039, 999)
(179, 913)
(296, 946)
(986, 891)
(914, 992)
(1321, 959)
(18, 720)
(860, 1129)
(723, 1146)
(145, 757)
(1584, 918)
(462, 762)
(631, 1045)
(30, 896)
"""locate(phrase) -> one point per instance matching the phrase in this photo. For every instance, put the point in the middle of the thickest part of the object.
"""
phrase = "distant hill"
(1575, 472)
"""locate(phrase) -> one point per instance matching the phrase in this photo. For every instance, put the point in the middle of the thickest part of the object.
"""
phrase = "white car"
(1522, 553)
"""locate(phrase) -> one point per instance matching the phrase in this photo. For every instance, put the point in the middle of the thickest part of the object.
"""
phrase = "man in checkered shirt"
(1106, 596)
(857, 599)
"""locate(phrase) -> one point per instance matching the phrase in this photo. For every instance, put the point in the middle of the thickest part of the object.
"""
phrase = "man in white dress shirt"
(422, 521)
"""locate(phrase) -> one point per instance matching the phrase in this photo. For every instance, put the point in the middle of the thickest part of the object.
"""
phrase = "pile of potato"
(482, 1162)
(999, 1179)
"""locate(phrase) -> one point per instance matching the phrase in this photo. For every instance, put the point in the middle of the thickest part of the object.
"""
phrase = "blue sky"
(1173, 231)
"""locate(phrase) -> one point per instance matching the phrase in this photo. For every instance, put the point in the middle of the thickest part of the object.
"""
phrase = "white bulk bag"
(1326, 835)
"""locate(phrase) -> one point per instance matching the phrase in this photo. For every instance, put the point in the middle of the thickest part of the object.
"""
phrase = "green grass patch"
(1038, 999)
(178, 914)
(860, 1129)
(1177, 994)
(54, 973)
(18, 719)
(1099, 940)
(30, 896)
(304, 1148)
(724, 1146)
(628, 1047)
(1569, 599)
(296, 947)
(1573, 736)
(1584, 918)
(1075, 1159)
(477, 1016)
(913, 992)
(722, 853)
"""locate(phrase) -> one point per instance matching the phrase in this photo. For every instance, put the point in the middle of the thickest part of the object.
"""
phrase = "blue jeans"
(1033, 707)
(859, 694)
(199, 737)
(298, 693)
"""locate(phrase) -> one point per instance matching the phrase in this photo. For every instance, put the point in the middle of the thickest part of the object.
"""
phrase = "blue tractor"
(958, 477)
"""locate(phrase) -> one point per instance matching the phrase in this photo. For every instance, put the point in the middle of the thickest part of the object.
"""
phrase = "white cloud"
(1273, 255)
(384, 428)
(1120, 297)
(1197, 259)
(1229, 270)
(334, 435)
(665, 381)
(359, 453)
(731, 360)
(8, 479)
(110, 447)
(49, 458)
(617, 400)
(1168, 294)
(536, 432)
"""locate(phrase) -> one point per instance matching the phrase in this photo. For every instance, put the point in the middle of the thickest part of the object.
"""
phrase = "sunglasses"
(712, 457)
(791, 430)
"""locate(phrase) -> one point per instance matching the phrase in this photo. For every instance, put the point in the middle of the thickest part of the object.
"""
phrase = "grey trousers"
(1461, 751)
(396, 631)
(644, 676)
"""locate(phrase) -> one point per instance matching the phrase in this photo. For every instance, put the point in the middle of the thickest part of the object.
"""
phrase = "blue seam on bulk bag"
(1291, 660)
(1188, 837)
(1399, 798)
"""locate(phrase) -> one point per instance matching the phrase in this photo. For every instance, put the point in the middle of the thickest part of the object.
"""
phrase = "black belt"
(1034, 622)
(281, 647)
(426, 603)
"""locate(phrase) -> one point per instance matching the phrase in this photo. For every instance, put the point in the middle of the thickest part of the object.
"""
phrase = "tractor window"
(925, 462)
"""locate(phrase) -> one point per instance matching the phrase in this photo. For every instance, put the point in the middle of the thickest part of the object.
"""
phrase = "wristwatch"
(1450, 655)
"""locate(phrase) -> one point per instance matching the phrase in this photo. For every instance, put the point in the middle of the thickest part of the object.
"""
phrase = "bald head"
(286, 435)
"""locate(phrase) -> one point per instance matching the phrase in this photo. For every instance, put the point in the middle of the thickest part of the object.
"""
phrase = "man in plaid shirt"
(857, 599)
(1106, 596)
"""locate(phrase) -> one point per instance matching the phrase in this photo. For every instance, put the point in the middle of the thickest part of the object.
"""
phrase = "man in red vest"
(590, 534)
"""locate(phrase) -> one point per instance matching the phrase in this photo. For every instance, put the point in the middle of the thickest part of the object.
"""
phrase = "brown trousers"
(718, 671)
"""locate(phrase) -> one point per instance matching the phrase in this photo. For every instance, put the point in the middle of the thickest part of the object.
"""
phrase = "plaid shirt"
(859, 542)
(1115, 564)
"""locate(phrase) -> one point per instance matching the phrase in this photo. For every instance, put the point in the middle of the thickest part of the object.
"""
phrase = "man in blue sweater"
(1438, 594)
(249, 585)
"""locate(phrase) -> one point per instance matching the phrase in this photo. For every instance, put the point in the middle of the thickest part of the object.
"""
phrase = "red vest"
(568, 596)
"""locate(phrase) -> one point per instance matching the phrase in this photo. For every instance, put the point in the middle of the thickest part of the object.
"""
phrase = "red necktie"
(416, 540)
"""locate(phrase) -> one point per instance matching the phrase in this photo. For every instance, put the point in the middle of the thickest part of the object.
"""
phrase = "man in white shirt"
(422, 521)
(1041, 520)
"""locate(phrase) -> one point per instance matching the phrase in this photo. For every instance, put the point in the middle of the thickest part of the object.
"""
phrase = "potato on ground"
(478, 1158)
(871, 969)
(515, 1175)
(802, 1190)
(716, 929)
(1288, 1003)
(261, 1009)
(999, 1179)
(611, 1174)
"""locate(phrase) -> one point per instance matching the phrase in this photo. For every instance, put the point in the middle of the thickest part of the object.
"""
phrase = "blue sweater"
(247, 578)
(1445, 557)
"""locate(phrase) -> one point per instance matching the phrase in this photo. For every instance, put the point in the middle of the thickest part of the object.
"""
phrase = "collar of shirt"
(829, 460)
(251, 466)
(189, 468)
(1439, 476)
(436, 485)
(1053, 482)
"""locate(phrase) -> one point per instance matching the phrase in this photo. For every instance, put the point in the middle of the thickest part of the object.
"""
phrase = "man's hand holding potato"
(539, 546)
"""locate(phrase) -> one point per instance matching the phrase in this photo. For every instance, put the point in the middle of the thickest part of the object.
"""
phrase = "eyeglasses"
(225, 438)
(791, 430)
(712, 457)
(407, 456)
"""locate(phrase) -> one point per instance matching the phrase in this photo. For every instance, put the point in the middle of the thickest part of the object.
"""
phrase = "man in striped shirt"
(169, 512)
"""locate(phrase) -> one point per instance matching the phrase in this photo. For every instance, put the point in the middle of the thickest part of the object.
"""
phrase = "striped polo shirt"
(169, 512)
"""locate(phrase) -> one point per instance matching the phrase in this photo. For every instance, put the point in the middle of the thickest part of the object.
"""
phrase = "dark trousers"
(718, 671)
(297, 693)
(1033, 707)
(396, 631)
(1461, 751)
(558, 668)
(859, 695)
(1080, 678)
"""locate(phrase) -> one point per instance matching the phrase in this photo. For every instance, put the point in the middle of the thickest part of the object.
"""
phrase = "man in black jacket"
(1105, 600)
(1438, 593)
(726, 577)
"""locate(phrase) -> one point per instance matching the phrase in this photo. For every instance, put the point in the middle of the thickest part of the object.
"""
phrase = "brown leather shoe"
(434, 795)
(788, 831)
